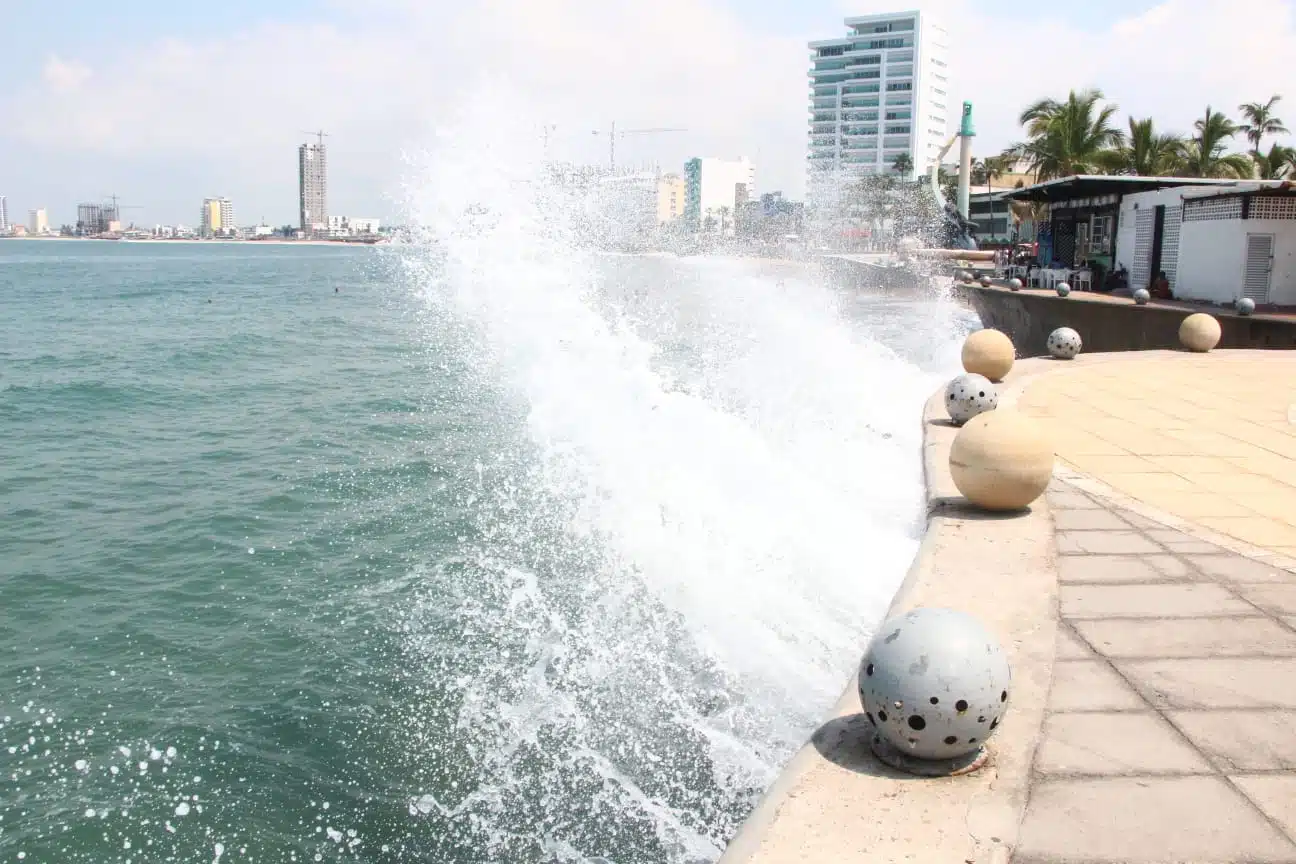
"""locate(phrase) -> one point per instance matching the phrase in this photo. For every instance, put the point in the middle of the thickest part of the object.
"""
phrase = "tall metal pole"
(966, 134)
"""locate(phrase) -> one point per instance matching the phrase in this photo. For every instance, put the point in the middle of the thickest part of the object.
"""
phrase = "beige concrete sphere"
(989, 353)
(1001, 460)
(1199, 332)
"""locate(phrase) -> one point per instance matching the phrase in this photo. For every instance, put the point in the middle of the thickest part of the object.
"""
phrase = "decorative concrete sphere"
(1001, 460)
(1141, 296)
(1015, 284)
(1064, 343)
(985, 281)
(969, 395)
(963, 276)
(1063, 289)
(988, 352)
(1245, 306)
(934, 683)
(1199, 332)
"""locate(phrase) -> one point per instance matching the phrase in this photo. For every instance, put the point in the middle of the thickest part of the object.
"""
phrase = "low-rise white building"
(1238, 243)
(349, 226)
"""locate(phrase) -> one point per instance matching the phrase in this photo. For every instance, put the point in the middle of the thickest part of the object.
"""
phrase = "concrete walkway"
(1170, 728)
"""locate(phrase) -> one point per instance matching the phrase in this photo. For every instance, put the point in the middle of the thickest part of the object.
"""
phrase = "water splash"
(702, 490)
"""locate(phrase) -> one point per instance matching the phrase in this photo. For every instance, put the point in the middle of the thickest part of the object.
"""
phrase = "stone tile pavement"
(1170, 734)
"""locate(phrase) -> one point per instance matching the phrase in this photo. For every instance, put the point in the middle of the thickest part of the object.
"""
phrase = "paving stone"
(1242, 740)
(1236, 568)
(1090, 685)
(1107, 744)
(1070, 500)
(1188, 637)
(1088, 520)
(1232, 682)
(1275, 796)
(1069, 647)
(1184, 600)
(1274, 599)
(1121, 568)
(1139, 521)
(1165, 819)
(1105, 543)
(1178, 541)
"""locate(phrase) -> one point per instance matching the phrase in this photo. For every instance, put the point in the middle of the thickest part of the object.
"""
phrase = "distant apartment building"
(672, 193)
(878, 93)
(216, 218)
(96, 219)
(348, 226)
(4, 215)
(312, 182)
(715, 190)
(38, 221)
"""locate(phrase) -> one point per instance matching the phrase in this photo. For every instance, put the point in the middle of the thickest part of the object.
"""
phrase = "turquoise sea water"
(318, 554)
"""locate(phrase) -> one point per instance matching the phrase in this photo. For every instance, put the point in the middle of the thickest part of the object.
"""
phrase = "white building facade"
(714, 191)
(4, 215)
(879, 92)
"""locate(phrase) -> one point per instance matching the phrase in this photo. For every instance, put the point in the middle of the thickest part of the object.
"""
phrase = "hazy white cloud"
(61, 76)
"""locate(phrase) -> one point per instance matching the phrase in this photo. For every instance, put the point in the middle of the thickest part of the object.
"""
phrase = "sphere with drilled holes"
(969, 395)
(1063, 289)
(934, 683)
(988, 352)
(1015, 284)
(1199, 332)
(1064, 343)
(1141, 296)
(1001, 460)
(985, 281)
(1245, 306)
(963, 276)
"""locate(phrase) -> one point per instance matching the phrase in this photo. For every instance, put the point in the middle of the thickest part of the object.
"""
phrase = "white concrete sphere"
(1001, 460)
(934, 683)
(1141, 296)
(1015, 284)
(985, 281)
(1199, 332)
(1064, 343)
(969, 395)
(1063, 289)
(1245, 306)
(988, 352)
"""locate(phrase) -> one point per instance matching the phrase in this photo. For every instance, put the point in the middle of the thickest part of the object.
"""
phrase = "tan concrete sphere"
(1001, 460)
(1199, 332)
(989, 353)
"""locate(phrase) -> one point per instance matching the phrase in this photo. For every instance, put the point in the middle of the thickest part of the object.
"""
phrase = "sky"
(164, 103)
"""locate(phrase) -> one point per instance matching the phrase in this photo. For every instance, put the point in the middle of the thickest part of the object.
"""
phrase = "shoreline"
(201, 241)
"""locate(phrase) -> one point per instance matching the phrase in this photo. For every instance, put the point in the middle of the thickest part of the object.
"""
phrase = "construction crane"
(320, 135)
(613, 133)
(117, 208)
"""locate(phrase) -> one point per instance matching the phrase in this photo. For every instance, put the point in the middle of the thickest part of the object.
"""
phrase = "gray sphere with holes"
(1064, 343)
(1015, 284)
(1063, 289)
(985, 281)
(1141, 296)
(963, 276)
(934, 683)
(1245, 306)
(969, 395)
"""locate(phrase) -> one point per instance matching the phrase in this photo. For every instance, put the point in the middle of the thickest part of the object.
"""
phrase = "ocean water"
(476, 549)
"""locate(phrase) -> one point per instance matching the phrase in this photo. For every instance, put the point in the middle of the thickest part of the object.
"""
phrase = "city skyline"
(736, 77)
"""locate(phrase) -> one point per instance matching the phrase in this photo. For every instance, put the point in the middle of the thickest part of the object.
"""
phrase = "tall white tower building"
(879, 92)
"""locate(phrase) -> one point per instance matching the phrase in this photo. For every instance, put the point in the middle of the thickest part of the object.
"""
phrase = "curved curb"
(834, 801)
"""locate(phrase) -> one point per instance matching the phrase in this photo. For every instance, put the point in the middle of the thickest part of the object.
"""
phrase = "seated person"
(1160, 287)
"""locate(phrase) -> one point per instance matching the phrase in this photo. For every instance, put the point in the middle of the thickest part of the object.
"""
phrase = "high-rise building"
(312, 180)
(4, 215)
(672, 193)
(714, 189)
(877, 94)
(217, 217)
(37, 221)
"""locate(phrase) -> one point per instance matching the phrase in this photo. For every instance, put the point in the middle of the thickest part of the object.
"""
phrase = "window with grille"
(1272, 207)
(1210, 209)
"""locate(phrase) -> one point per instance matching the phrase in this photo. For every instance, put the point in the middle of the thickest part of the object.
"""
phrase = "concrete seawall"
(1109, 324)
(834, 801)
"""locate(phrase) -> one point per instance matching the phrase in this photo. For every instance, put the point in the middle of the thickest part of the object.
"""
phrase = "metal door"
(1141, 266)
(1259, 266)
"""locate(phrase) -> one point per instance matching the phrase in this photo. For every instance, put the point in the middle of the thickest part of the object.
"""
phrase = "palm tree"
(1204, 155)
(902, 164)
(1278, 164)
(1068, 137)
(1261, 121)
(1145, 152)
